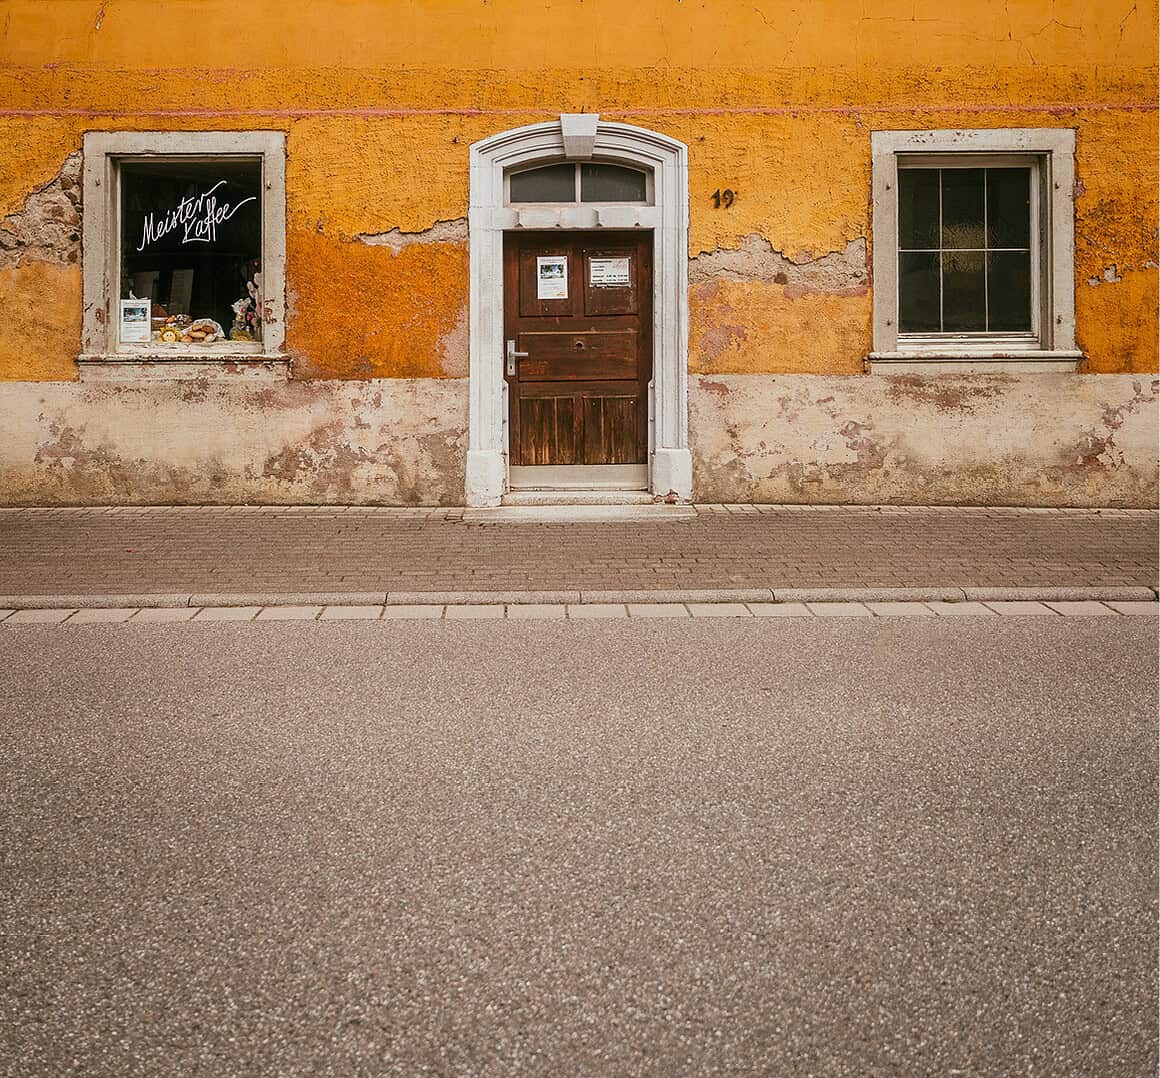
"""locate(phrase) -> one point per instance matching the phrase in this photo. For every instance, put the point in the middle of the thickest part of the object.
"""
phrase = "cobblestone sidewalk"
(199, 549)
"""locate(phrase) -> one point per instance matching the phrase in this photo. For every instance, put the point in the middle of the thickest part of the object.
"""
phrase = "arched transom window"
(571, 182)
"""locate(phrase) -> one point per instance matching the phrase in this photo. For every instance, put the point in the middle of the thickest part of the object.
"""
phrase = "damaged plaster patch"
(1111, 275)
(841, 273)
(47, 228)
(440, 232)
(453, 348)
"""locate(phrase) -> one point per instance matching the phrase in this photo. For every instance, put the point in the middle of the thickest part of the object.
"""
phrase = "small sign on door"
(552, 277)
(608, 273)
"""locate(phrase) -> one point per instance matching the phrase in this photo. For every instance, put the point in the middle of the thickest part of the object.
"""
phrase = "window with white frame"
(184, 244)
(973, 246)
(578, 182)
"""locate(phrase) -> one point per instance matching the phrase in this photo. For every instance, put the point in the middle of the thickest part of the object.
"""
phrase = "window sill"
(184, 366)
(965, 362)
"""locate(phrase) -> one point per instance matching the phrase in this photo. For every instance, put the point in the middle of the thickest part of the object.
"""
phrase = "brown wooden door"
(580, 305)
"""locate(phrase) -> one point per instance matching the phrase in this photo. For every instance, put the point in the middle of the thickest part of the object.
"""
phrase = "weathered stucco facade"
(776, 103)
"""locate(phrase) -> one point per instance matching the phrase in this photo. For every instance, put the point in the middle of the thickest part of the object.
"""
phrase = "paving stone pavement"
(327, 549)
(560, 611)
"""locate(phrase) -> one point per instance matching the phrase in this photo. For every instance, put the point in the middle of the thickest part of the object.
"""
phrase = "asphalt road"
(841, 846)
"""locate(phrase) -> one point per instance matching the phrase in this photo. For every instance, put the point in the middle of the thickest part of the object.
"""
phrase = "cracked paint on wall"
(215, 440)
(40, 279)
(380, 112)
(942, 439)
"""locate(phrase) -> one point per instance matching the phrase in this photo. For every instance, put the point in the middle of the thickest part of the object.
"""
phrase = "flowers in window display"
(246, 326)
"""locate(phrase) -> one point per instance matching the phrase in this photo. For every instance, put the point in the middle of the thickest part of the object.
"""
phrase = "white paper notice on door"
(552, 277)
(608, 273)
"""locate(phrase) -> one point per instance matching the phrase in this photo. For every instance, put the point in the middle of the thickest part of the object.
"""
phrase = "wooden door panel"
(612, 430)
(592, 355)
(580, 395)
(548, 429)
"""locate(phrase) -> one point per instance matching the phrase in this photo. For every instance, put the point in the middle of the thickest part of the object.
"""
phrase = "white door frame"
(578, 137)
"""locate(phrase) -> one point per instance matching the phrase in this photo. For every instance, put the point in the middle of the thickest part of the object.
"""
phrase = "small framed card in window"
(135, 325)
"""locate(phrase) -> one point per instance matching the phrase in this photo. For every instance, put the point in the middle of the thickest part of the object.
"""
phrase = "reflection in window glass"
(191, 244)
(611, 183)
(551, 183)
(964, 250)
(962, 208)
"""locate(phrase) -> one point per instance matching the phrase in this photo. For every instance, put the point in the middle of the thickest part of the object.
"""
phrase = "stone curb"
(489, 598)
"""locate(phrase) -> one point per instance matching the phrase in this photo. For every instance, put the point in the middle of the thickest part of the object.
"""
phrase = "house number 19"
(723, 198)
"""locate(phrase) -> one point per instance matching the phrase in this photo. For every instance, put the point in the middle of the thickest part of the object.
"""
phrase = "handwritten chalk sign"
(196, 218)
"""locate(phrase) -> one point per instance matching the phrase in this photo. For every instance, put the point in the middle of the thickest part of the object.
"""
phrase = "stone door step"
(557, 512)
(523, 498)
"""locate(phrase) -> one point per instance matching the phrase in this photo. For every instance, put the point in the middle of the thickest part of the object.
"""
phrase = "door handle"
(512, 356)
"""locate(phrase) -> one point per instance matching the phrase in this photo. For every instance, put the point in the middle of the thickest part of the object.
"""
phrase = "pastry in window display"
(180, 329)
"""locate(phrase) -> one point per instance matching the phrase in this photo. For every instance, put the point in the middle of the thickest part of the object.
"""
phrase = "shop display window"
(191, 244)
(184, 244)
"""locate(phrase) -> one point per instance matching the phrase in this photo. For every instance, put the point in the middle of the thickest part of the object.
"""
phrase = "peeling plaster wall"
(778, 106)
(774, 102)
(1034, 439)
(240, 439)
(40, 278)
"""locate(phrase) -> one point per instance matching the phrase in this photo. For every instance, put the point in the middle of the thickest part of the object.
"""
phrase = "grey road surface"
(780, 847)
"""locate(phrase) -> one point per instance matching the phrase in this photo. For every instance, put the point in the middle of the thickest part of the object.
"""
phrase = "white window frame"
(1050, 152)
(104, 151)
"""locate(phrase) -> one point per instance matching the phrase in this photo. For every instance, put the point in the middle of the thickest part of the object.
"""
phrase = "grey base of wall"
(485, 598)
(1037, 439)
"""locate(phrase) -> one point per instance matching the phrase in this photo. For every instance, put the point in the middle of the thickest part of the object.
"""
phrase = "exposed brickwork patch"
(47, 228)
(754, 259)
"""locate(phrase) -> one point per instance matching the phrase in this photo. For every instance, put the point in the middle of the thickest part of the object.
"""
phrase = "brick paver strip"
(779, 610)
(38, 617)
(597, 610)
(1021, 608)
(903, 609)
(403, 555)
(1081, 608)
(164, 614)
(1134, 608)
(960, 610)
(101, 616)
(352, 613)
(530, 611)
(719, 610)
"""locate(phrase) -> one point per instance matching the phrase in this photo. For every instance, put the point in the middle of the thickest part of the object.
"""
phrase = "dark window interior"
(552, 183)
(191, 237)
(611, 183)
(599, 182)
(964, 250)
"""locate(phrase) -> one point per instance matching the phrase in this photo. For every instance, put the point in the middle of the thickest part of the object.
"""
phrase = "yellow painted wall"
(776, 100)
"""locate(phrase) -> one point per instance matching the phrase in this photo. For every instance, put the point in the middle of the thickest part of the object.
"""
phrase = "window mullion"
(986, 260)
(941, 321)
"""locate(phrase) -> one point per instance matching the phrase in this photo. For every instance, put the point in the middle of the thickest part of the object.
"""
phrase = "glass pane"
(1009, 207)
(917, 208)
(964, 301)
(1009, 291)
(191, 243)
(962, 207)
(552, 183)
(918, 304)
(611, 183)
